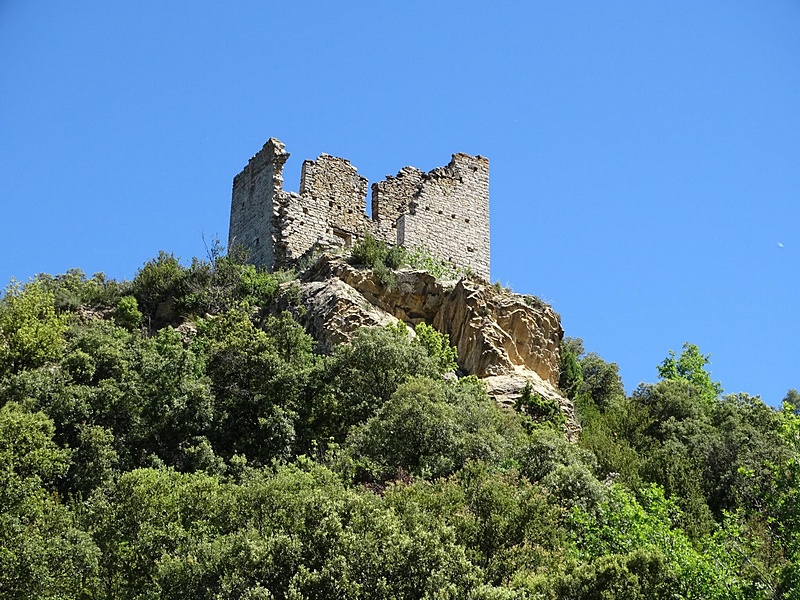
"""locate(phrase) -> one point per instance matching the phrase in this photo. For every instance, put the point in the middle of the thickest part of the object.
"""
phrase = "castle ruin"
(445, 210)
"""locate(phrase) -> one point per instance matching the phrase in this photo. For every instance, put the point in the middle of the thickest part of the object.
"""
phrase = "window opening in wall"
(347, 239)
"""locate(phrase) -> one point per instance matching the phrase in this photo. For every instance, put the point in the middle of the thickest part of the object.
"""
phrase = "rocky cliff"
(508, 340)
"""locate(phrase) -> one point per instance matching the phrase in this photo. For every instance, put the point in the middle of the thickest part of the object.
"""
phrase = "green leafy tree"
(73, 289)
(42, 554)
(634, 550)
(157, 283)
(571, 375)
(783, 498)
(690, 367)
(359, 378)
(438, 347)
(31, 333)
(257, 377)
(434, 427)
(127, 312)
(601, 381)
(173, 396)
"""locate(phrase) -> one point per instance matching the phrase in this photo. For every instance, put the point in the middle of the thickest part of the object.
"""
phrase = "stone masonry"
(445, 211)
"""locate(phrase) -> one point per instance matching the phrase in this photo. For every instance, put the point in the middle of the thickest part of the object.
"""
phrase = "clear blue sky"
(645, 156)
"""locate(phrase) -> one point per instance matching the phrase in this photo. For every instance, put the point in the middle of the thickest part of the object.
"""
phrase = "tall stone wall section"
(445, 211)
(252, 203)
(449, 214)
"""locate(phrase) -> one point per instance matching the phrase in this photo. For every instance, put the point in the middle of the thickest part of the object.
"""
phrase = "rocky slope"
(506, 339)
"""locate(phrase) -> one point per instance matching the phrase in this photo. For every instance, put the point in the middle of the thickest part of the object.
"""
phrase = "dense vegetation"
(177, 437)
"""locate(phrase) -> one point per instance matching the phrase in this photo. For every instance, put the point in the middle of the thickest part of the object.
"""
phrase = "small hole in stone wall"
(305, 211)
(257, 240)
(452, 216)
(440, 212)
(466, 220)
(330, 204)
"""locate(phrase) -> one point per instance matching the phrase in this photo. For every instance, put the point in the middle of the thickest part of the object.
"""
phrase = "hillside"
(370, 426)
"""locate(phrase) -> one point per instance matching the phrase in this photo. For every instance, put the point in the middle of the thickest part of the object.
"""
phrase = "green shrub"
(396, 257)
(385, 276)
(423, 259)
(158, 280)
(369, 252)
(434, 427)
(438, 347)
(540, 409)
(127, 313)
(72, 289)
(31, 332)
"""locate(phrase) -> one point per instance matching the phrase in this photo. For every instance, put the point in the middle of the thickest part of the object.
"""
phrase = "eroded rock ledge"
(506, 339)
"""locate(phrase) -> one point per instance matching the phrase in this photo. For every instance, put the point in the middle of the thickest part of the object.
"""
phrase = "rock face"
(497, 332)
(507, 339)
(334, 311)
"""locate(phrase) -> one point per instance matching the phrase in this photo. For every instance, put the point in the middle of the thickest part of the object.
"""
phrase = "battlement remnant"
(445, 210)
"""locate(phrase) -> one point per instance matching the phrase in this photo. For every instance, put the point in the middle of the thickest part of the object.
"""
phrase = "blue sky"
(645, 156)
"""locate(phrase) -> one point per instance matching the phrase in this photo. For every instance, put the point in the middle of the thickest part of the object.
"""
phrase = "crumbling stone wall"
(446, 210)
(391, 197)
(450, 214)
(252, 203)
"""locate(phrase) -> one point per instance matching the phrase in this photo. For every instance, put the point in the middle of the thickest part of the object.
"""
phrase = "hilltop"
(374, 424)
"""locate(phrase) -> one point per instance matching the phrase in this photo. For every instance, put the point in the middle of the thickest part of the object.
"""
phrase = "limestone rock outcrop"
(334, 311)
(507, 339)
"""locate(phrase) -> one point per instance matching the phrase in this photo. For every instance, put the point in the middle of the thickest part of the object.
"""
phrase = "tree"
(438, 347)
(630, 549)
(157, 282)
(689, 367)
(31, 333)
(432, 427)
(257, 376)
(42, 554)
(601, 381)
(570, 378)
(359, 378)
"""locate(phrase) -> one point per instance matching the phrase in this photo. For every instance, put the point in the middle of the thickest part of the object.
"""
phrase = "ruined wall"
(449, 214)
(390, 199)
(446, 210)
(329, 211)
(252, 203)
